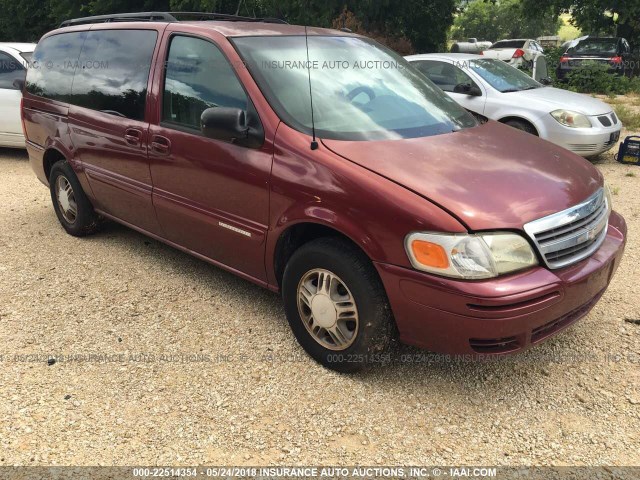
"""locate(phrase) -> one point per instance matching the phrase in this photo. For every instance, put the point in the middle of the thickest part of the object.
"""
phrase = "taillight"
(616, 60)
(481, 52)
(24, 128)
(564, 59)
(518, 53)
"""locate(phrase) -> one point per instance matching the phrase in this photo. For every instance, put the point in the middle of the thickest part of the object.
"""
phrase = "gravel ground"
(199, 367)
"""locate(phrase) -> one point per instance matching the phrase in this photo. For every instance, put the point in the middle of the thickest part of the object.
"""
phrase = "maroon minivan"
(319, 164)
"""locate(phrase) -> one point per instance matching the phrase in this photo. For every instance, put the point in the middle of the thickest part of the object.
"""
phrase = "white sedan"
(518, 52)
(500, 92)
(14, 59)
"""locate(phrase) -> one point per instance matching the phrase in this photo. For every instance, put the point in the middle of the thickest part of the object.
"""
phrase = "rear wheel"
(73, 208)
(336, 305)
(522, 125)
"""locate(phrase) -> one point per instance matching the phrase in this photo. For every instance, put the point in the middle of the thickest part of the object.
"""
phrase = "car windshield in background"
(361, 90)
(509, 44)
(501, 76)
(594, 46)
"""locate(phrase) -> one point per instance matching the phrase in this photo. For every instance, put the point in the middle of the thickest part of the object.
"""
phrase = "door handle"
(160, 144)
(133, 136)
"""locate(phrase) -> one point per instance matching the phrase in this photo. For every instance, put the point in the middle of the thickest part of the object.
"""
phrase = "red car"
(318, 164)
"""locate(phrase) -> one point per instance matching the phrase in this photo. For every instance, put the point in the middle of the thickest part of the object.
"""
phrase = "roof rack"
(165, 17)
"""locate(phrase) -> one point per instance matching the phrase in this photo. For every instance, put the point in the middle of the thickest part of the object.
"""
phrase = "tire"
(81, 221)
(522, 125)
(364, 337)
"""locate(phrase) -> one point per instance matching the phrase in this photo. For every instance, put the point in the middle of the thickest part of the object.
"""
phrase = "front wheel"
(522, 125)
(336, 305)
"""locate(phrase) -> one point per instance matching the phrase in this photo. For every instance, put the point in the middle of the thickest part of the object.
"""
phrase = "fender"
(321, 187)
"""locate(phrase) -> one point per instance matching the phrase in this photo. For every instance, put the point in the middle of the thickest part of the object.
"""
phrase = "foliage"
(595, 78)
(500, 19)
(424, 23)
(553, 61)
(596, 17)
(400, 44)
(629, 118)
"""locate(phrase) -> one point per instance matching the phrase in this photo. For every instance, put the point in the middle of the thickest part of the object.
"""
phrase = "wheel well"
(520, 119)
(296, 236)
(51, 156)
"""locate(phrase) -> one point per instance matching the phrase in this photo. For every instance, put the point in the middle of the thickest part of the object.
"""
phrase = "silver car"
(492, 88)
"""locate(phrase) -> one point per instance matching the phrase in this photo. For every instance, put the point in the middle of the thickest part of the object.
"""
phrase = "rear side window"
(113, 70)
(509, 44)
(10, 70)
(53, 64)
(198, 76)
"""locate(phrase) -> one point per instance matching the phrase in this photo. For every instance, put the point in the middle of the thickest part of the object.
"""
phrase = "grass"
(615, 190)
(630, 174)
(568, 31)
(629, 118)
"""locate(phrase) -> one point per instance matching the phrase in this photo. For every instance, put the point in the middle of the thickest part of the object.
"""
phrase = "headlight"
(571, 119)
(469, 256)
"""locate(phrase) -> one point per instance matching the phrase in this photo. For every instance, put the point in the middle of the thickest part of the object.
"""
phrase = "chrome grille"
(572, 235)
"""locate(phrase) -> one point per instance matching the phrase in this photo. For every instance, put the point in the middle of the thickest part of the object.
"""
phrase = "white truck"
(472, 45)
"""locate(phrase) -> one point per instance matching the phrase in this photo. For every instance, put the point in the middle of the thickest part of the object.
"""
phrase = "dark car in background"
(612, 51)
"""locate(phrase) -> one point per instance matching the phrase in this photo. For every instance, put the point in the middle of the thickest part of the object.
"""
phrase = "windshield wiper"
(511, 90)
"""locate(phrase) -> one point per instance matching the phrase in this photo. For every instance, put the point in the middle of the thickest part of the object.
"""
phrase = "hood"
(556, 98)
(489, 177)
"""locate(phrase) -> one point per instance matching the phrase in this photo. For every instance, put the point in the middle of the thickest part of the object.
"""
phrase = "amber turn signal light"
(429, 254)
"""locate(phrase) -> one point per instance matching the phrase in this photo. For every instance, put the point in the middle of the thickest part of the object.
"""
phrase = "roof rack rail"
(222, 16)
(164, 17)
(121, 17)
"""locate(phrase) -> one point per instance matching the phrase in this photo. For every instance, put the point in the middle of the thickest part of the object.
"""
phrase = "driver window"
(445, 75)
(198, 76)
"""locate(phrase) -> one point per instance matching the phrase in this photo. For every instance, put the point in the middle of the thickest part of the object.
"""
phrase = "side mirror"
(468, 89)
(19, 84)
(223, 123)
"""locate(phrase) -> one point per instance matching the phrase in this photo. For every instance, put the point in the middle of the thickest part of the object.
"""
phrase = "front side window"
(53, 65)
(113, 71)
(445, 75)
(501, 76)
(361, 90)
(10, 71)
(198, 77)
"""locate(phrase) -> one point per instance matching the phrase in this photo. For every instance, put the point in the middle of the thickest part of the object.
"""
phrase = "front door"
(108, 126)
(211, 197)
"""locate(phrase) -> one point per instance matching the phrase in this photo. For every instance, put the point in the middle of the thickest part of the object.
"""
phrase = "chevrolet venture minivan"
(319, 164)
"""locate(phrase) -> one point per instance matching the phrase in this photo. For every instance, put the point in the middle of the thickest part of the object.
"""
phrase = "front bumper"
(585, 142)
(502, 315)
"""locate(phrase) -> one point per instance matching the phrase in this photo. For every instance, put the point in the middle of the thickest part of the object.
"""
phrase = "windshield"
(509, 44)
(595, 46)
(501, 76)
(361, 90)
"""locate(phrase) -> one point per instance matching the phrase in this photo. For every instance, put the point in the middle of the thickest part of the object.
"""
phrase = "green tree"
(621, 17)
(423, 22)
(496, 20)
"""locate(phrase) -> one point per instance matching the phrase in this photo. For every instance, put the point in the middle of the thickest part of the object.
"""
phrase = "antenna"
(314, 143)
